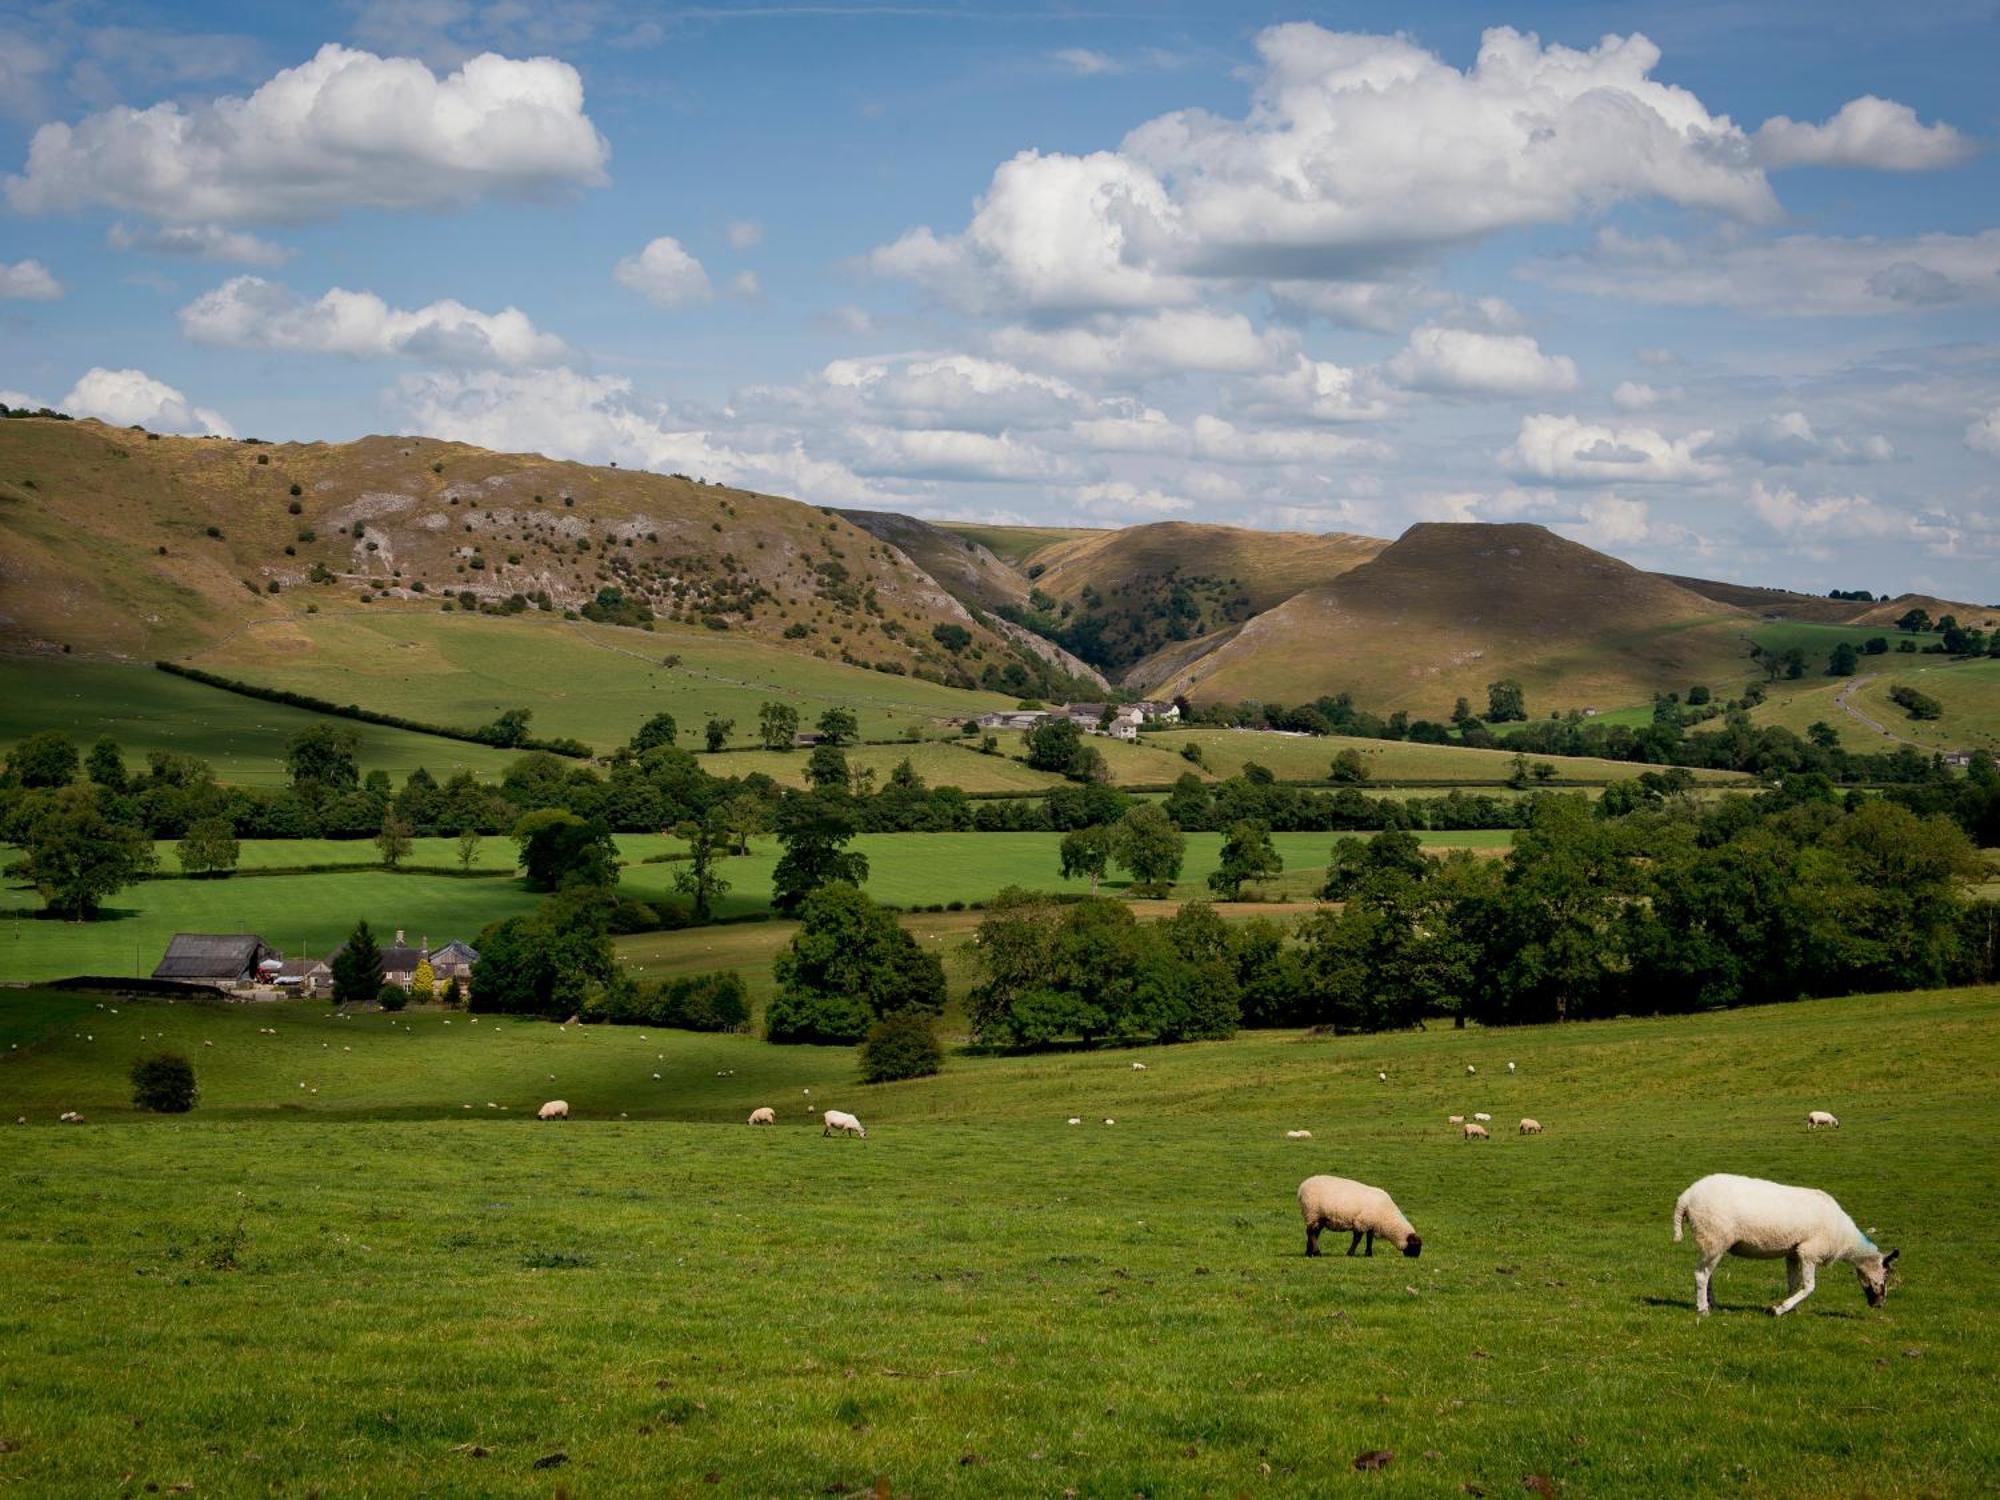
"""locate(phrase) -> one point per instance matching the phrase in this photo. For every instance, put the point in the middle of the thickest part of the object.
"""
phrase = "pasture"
(374, 1289)
(1301, 757)
(596, 683)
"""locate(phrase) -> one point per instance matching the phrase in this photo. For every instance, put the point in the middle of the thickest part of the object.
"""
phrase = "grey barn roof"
(207, 955)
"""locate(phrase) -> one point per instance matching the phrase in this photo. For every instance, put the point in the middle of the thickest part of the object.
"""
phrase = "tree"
(75, 855)
(659, 730)
(1915, 621)
(826, 769)
(1350, 768)
(553, 962)
(393, 839)
(357, 967)
(559, 848)
(321, 762)
(715, 733)
(1698, 695)
(209, 847)
(106, 765)
(510, 730)
(469, 840)
(1148, 846)
(777, 726)
(1823, 735)
(901, 1046)
(1247, 854)
(1505, 702)
(743, 816)
(163, 1083)
(44, 760)
(1053, 744)
(814, 830)
(391, 996)
(1843, 660)
(708, 843)
(839, 726)
(1086, 851)
(954, 638)
(423, 982)
(849, 964)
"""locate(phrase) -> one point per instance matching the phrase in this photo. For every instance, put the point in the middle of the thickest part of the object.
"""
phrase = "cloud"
(1793, 276)
(248, 312)
(347, 129)
(948, 453)
(1358, 154)
(1224, 442)
(943, 390)
(1116, 498)
(127, 398)
(1637, 395)
(1566, 450)
(1867, 132)
(1459, 362)
(745, 234)
(1788, 438)
(664, 274)
(1830, 517)
(1172, 341)
(29, 280)
(1085, 63)
(1984, 433)
(1314, 390)
(199, 242)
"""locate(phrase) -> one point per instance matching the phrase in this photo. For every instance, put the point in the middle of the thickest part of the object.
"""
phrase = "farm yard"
(374, 1288)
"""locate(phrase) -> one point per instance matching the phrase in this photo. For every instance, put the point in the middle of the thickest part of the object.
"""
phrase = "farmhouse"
(454, 961)
(304, 976)
(1016, 718)
(215, 958)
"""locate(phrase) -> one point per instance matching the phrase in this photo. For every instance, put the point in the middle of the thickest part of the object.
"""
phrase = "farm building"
(305, 976)
(454, 961)
(215, 958)
(1018, 718)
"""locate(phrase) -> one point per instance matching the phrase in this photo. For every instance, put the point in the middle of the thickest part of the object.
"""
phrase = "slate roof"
(207, 955)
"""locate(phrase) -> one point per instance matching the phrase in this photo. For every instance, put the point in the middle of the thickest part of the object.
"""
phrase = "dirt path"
(1854, 713)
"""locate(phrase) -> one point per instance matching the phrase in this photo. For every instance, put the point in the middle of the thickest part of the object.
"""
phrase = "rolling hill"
(1450, 607)
(1784, 604)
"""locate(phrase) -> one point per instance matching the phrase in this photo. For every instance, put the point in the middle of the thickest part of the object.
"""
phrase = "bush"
(392, 996)
(693, 1002)
(163, 1083)
(900, 1046)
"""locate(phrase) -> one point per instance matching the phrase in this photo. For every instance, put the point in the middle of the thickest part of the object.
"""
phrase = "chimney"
(426, 949)
(399, 938)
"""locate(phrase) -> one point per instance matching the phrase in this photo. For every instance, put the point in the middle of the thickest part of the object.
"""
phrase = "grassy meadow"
(363, 1286)
(1300, 757)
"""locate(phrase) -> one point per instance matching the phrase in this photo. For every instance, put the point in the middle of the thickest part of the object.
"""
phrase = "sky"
(1714, 287)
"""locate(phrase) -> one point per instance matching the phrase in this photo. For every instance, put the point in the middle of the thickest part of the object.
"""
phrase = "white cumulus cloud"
(126, 398)
(1984, 432)
(199, 242)
(248, 312)
(664, 274)
(1171, 341)
(29, 280)
(1828, 517)
(348, 129)
(1459, 362)
(1563, 449)
(1867, 132)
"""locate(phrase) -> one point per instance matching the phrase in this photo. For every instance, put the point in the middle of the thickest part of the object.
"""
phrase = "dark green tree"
(1247, 854)
(715, 733)
(163, 1083)
(777, 726)
(209, 847)
(75, 854)
(1506, 702)
(357, 967)
(826, 769)
(814, 830)
(1086, 852)
(559, 848)
(106, 765)
(849, 964)
(1843, 660)
(1148, 846)
(658, 730)
(47, 759)
(1053, 745)
(708, 838)
(321, 762)
(839, 726)
(901, 1046)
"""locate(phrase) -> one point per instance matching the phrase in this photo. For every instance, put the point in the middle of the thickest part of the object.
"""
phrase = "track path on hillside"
(1855, 713)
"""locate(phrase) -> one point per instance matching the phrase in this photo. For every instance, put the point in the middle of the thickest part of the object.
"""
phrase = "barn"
(215, 958)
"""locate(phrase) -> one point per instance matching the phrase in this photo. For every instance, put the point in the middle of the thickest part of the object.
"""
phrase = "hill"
(1116, 597)
(124, 543)
(1450, 607)
(1784, 604)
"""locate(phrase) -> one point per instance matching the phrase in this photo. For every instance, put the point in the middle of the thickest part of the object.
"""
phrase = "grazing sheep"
(71, 1117)
(1138, 1067)
(1482, 1117)
(555, 1109)
(1475, 1132)
(1384, 1077)
(764, 1116)
(1531, 1127)
(846, 1124)
(1454, 1119)
(1818, 1117)
(1470, 1070)
(1109, 1121)
(1076, 1119)
(1761, 1220)
(1338, 1203)
(1298, 1135)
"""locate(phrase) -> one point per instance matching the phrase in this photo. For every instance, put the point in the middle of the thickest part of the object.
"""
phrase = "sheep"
(1818, 1117)
(1482, 1117)
(1510, 1067)
(555, 1109)
(1382, 1077)
(1475, 1132)
(846, 1124)
(1109, 1121)
(1138, 1067)
(1470, 1070)
(1761, 1220)
(1454, 1119)
(71, 1117)
(763, 1116)
(1298, 1135)
(1531, 1127)
(1338, 1203)
(1076, 1119)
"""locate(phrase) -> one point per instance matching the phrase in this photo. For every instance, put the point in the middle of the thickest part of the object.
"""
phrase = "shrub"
(900, 1046)
(295, 508)
(392, 996)
(163, 1083)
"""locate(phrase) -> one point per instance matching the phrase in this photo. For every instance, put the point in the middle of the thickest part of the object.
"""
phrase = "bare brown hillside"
(1448, 608)
(1784, 604)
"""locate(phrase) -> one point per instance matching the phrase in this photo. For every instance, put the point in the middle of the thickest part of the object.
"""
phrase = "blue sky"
(1714, 287)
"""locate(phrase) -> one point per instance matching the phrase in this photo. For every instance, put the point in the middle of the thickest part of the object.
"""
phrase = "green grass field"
(374, 1289)
(1299, 757)
(146, 710)
(1014, 545)
(941, 762)
(1969, 692)
(596, 683)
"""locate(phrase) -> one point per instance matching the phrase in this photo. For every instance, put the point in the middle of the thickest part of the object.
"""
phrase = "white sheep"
(1298, 1135)
(1454, 1119)
(1531, 1127)
(1076, 1119)
(1475, 1132)
(763, 1116)
(555, 1109)
(1470, 1070)
(1510, 1067)
(71, 1117)
(1138, 1067)
(1384, 1077)
(1109, 1121)
(1338, 1203)
(1482, 1117)
(1818, 1117)
(846, 1124)
(1761, 1220)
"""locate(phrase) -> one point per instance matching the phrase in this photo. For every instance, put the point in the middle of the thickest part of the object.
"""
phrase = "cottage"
(215, 958)
(1152, 708)
(400, 960)
(305, 976)
(1015, 718)
(454, 961)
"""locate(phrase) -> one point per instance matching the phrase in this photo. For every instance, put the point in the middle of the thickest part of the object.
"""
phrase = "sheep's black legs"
(1370, 1251)
(1312, 1239)
(1355, 1243)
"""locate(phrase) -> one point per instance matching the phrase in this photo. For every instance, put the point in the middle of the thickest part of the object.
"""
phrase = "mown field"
(596, 683)
(373, 1288)
(310, 912)
(1302, 757)
(146, 710)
